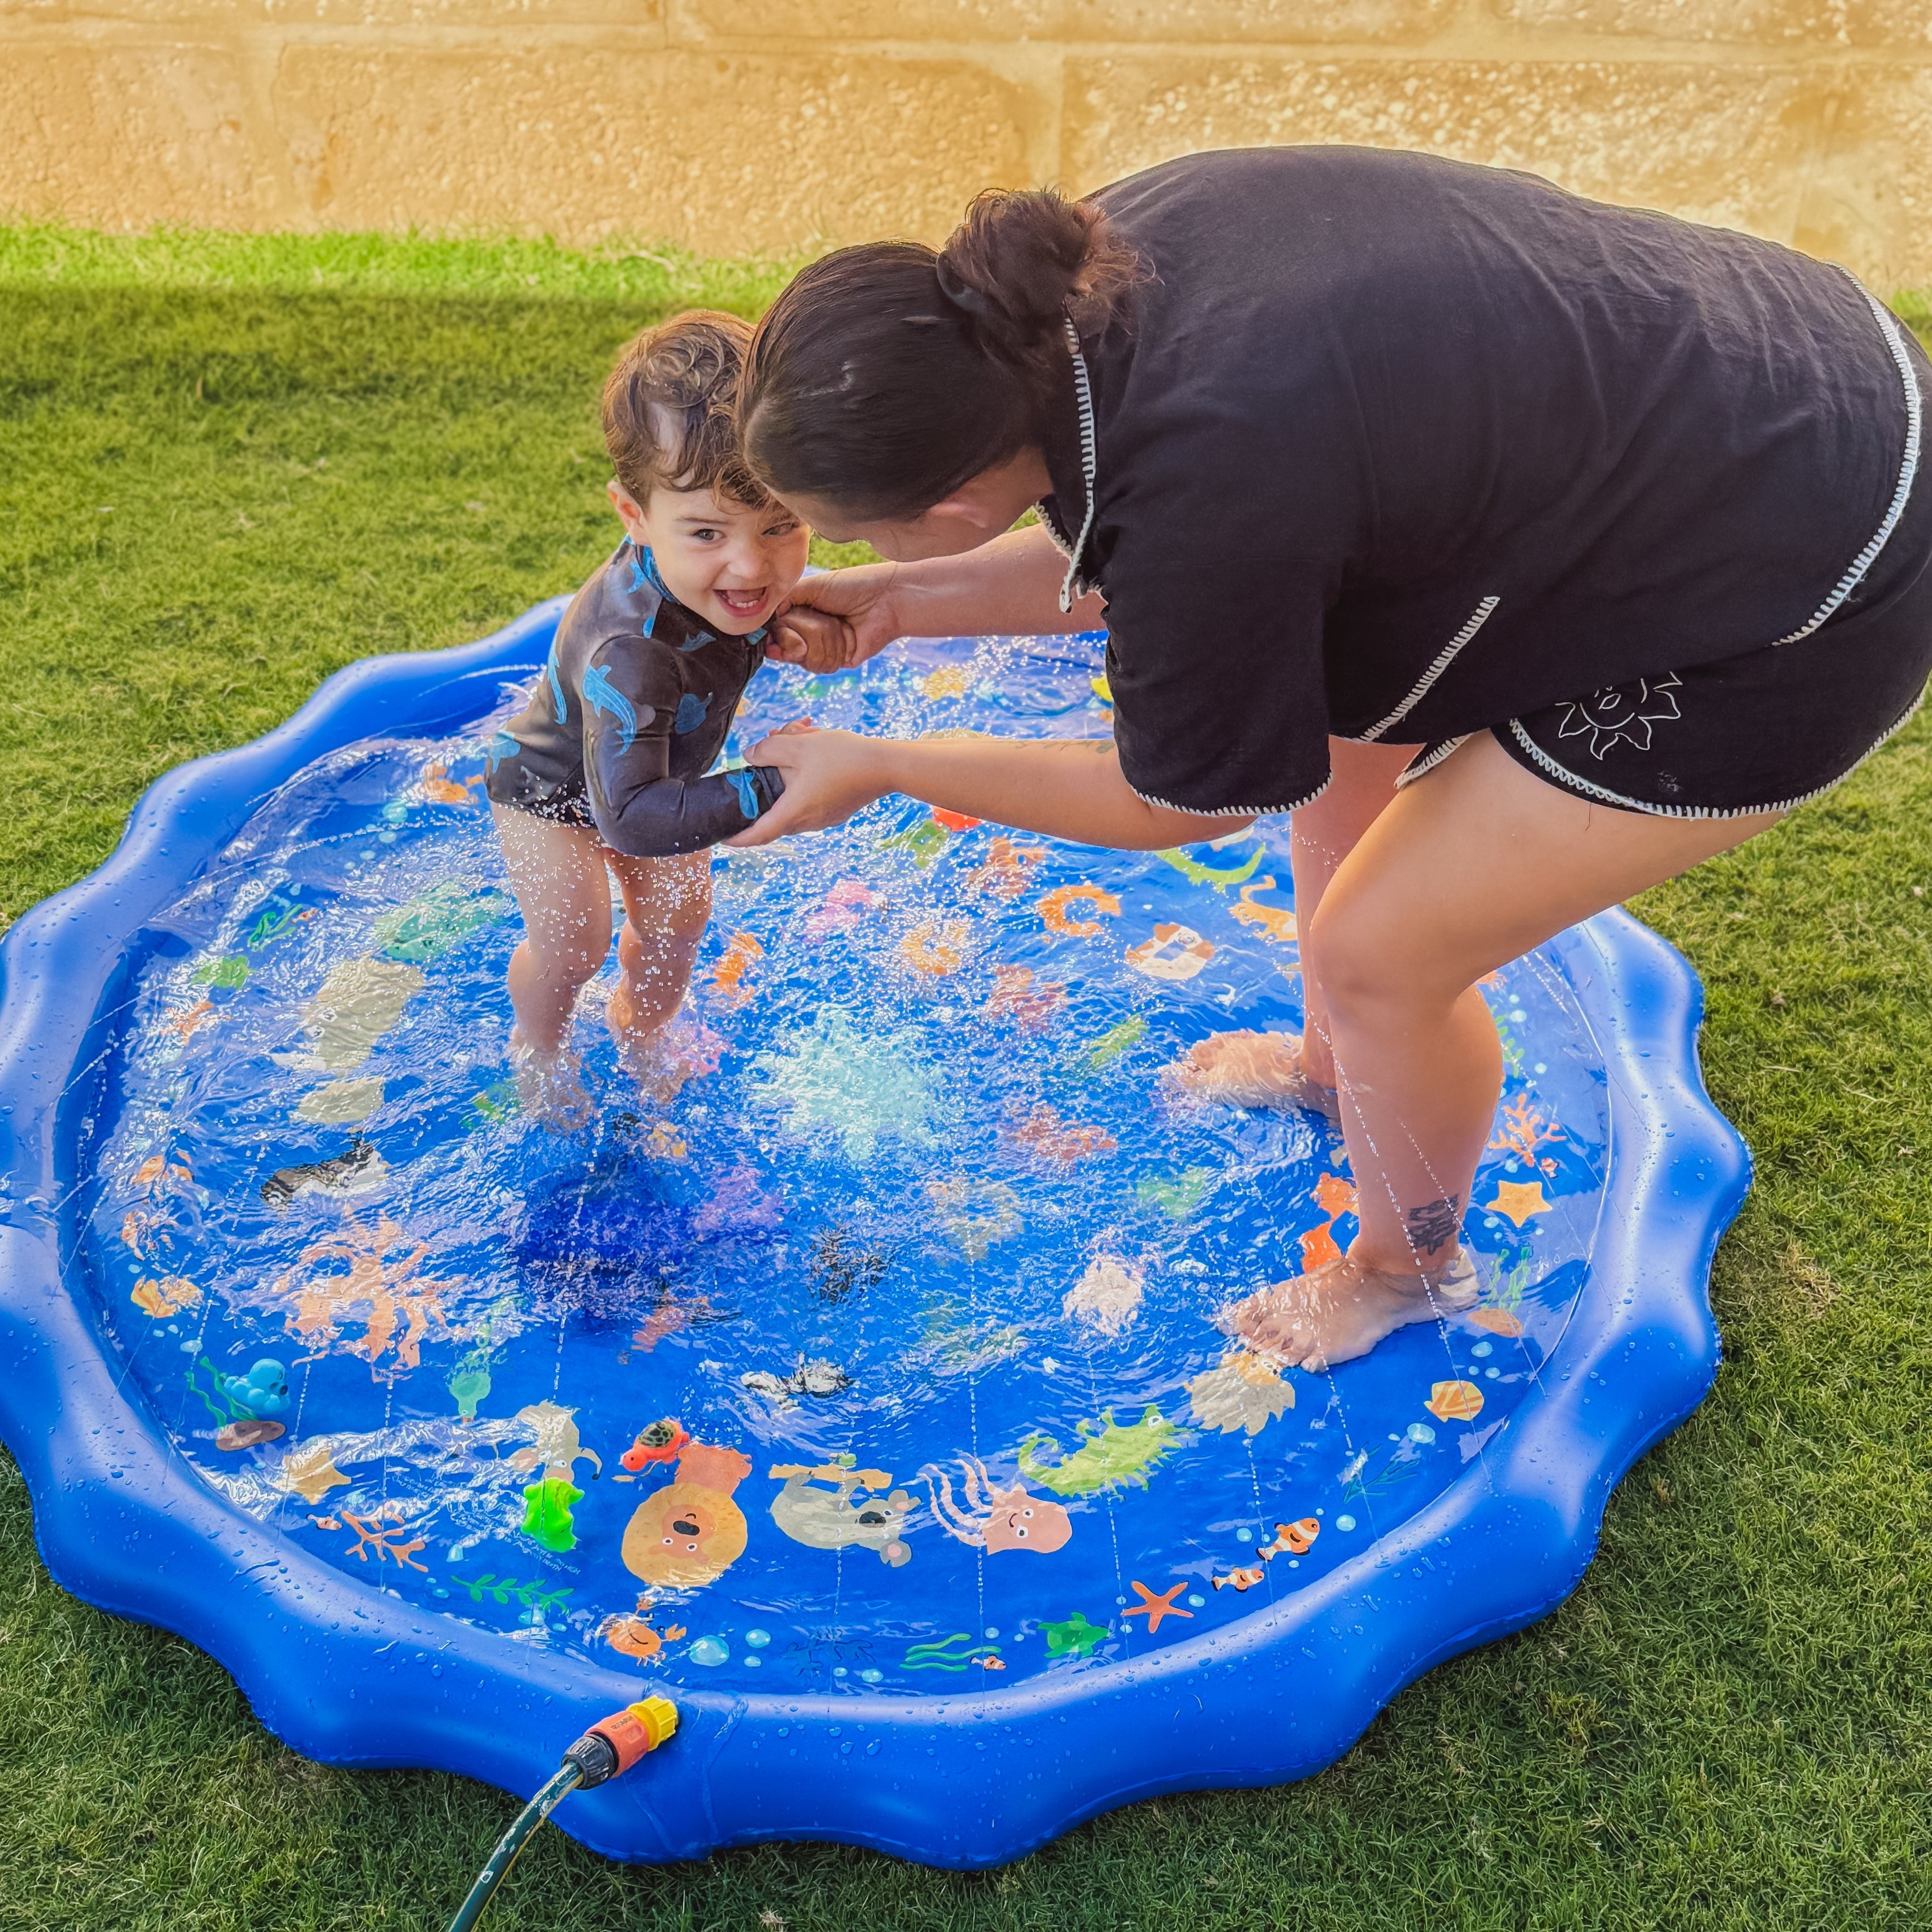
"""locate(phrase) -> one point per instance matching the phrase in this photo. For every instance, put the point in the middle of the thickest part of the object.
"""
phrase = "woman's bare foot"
(1252, 1069)
(661, 1059)
(1343, 1308)
(549, 1090)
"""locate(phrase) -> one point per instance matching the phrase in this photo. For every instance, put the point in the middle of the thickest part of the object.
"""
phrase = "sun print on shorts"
(1622, 713)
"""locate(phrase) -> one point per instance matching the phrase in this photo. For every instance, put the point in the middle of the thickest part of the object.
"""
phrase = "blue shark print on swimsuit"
(555, 686)
(741, 782)
(499, 748)
(644, 575)
(601, 695)
(696, 643)
(690, 712)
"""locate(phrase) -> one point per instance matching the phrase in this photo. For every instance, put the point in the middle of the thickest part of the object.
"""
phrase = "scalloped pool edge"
(345, 1674)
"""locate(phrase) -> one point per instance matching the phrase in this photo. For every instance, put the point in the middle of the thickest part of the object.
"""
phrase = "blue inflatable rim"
(347, 1674)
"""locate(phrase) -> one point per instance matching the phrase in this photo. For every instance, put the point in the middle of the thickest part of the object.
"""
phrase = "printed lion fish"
(845, 1517)
(690, 1532)
(993, 1518)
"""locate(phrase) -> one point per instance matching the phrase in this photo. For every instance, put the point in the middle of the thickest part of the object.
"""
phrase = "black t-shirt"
(1398, 447)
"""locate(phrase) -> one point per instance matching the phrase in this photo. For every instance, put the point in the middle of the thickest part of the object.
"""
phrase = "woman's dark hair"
(885, 375)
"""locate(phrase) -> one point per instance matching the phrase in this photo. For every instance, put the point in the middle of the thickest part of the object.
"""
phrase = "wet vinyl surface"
(886, 1356)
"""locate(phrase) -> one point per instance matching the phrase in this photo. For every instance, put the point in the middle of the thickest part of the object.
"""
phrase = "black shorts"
(562, 807)
(1761, 732)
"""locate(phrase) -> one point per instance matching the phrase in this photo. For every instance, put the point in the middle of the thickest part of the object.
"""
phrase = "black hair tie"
(962, 295)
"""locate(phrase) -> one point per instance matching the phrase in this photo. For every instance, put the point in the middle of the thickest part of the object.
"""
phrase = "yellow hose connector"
(658, 1716)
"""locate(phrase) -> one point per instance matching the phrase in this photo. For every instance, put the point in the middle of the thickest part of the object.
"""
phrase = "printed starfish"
(1154, 1608)
(1519, 1200)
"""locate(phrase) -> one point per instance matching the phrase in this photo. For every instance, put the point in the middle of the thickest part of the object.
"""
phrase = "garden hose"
(611, 1745)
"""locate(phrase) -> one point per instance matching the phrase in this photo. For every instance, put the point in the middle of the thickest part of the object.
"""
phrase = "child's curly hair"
(668, 409)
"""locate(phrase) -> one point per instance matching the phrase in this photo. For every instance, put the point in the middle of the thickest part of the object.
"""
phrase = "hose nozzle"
(614, 1744)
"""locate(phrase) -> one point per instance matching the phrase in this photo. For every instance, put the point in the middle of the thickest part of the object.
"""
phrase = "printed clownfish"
(1292, 1539)
(1239, 1579)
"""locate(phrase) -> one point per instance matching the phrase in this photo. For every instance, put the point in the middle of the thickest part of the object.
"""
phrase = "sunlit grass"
(220, 480)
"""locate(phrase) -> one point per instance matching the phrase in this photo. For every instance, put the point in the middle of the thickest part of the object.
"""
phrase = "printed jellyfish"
(996, 1519)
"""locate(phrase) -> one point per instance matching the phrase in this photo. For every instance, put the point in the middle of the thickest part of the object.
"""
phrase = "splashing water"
(935, 1179)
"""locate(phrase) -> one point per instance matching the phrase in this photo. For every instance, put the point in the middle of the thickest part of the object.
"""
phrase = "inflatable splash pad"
(867, 1398)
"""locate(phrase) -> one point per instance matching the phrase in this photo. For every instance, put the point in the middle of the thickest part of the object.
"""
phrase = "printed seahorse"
(601, 695)
(1278, 927)
(1109, 1457)
(1198, 874)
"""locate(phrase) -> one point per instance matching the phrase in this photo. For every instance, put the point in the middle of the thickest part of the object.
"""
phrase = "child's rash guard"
(631, 711)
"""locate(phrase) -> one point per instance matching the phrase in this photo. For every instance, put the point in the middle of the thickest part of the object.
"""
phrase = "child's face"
(733, 566)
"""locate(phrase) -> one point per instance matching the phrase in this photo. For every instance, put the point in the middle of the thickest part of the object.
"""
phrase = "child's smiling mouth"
(743, 603)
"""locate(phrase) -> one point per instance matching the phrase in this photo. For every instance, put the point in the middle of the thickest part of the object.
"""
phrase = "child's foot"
(549, 1088)
(1252, 1069)
(661, 1061)
(1343, 1308)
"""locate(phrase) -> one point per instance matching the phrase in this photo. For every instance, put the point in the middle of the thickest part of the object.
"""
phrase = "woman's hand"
(856, 603)
(828, 775)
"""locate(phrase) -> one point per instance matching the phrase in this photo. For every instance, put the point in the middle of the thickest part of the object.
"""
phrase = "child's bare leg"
(557, 873)
(667, 905)
(1280, 1070)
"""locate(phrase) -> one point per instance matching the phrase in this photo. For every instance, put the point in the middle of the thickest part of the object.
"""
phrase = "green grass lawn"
(228, 467)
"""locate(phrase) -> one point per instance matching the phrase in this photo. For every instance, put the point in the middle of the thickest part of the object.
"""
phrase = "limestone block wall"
(730, 126)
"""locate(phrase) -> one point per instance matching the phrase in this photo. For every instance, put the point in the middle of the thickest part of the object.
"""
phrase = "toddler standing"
(604, 769)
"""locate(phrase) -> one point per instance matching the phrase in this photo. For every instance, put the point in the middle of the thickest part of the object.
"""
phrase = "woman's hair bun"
(1022, 258)
(885, 376)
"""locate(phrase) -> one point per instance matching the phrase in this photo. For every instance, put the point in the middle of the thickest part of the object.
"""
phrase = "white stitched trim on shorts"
(1908, 468)
(1410, 773)
(1584, 785)
(1445, 658)
(1234, 811)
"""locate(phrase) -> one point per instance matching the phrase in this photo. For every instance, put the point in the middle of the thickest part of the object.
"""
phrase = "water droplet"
(991, 1631)
(757, 1639)
(752, 1663)
(1420, 1431)
(872, 1676)
(710, 1651)
(1345, 1522)
(1483, 1348)
(1197, 1600)
(1244, 1535)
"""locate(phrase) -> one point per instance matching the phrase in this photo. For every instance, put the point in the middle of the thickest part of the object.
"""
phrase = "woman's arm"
(1009, 587)
(1064, 788)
